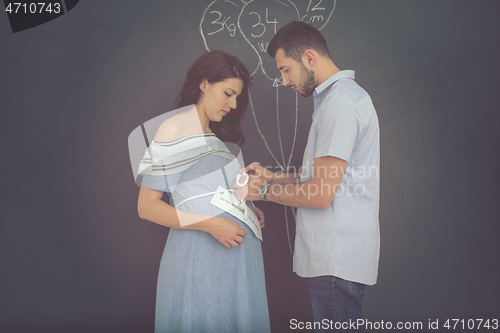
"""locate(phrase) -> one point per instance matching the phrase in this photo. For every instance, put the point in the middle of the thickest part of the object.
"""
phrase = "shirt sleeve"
(337, 128)
(158, 183)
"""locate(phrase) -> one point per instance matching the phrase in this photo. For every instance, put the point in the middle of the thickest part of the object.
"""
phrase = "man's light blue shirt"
(344, 239)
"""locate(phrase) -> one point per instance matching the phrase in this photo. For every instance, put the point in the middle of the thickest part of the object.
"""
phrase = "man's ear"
(309, 57)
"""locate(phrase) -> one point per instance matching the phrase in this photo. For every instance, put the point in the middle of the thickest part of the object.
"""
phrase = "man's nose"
(285, 80)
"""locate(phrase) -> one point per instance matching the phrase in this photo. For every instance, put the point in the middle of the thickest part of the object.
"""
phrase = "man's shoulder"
(343, 94)
(347, 89)
(346, 97)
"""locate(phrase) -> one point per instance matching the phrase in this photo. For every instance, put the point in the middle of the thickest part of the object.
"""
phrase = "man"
(337, 241)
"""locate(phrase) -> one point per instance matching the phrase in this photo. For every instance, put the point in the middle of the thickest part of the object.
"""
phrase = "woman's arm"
(151, 207)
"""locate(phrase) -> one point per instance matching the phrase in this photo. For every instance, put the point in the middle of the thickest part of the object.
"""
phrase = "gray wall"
(74, 255)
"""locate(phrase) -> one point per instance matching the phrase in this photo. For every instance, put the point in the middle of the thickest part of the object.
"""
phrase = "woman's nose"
(233, 103)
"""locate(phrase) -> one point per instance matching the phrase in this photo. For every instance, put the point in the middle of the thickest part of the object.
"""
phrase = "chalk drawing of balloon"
(258, 22)
(219, 30)
(315, 12)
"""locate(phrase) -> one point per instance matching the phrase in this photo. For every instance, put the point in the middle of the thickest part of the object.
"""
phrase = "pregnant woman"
(211, 276)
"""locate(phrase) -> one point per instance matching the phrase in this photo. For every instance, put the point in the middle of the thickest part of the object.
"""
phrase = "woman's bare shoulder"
(170, 130)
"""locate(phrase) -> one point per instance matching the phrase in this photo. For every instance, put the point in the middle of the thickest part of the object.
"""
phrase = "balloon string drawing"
(245, 28)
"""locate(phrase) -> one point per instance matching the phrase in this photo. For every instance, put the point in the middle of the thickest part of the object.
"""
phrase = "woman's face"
(219, 98)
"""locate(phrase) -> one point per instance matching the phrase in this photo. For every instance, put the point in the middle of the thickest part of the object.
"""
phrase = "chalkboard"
(76, 257)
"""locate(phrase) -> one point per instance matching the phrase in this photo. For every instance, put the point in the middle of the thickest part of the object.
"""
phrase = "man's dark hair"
(296, 37)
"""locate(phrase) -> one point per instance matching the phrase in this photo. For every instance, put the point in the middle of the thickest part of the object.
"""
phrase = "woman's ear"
(203, 85)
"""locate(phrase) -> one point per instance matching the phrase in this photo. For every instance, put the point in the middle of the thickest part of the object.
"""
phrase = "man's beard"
(307, 82)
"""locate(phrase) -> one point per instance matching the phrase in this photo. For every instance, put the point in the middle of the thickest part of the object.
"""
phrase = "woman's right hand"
(151, 207)
(227, 232)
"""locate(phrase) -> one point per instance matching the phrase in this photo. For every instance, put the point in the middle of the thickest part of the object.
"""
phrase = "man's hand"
(249, 191)
(258, 170)
(260, 216)
(257, 176)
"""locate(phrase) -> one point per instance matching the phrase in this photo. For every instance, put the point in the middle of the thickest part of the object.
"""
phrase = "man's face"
(295, 74)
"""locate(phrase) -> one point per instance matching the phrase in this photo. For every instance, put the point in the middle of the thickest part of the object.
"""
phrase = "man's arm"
(318, 192)
(272, 177)
(285, 178)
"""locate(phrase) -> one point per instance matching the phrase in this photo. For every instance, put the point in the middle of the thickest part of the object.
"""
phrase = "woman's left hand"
(260, 216)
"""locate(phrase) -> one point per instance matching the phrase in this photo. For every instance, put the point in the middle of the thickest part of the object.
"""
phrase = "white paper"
(227, 202)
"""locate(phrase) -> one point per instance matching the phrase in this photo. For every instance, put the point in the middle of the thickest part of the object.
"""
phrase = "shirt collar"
(347, 74)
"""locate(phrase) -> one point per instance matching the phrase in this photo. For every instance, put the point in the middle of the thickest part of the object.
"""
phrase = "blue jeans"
(335, 300)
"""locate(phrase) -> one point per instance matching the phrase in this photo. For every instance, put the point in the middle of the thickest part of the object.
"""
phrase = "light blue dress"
(202, 285)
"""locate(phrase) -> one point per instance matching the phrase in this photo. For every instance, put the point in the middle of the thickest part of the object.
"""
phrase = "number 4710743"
(33, 8)
(471, 324)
